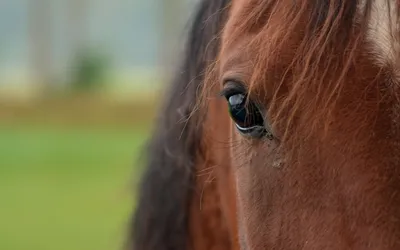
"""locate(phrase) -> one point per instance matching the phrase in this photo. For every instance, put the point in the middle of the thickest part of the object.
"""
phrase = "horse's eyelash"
(232, 88)
(229, 92)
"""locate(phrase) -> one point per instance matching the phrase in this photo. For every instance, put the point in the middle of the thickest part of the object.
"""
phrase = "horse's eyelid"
(233, 87)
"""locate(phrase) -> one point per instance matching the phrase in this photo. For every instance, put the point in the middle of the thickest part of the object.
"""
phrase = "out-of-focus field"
(67, 168)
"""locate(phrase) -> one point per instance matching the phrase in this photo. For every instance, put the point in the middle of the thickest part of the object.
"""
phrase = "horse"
(280, 130)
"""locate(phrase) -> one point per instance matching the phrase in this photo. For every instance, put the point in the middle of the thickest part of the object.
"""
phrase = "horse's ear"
(161, 218)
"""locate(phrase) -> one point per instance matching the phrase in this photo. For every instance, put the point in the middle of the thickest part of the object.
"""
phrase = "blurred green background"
(80, 83)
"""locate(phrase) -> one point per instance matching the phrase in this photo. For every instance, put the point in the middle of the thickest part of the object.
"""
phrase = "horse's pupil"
(244, 116)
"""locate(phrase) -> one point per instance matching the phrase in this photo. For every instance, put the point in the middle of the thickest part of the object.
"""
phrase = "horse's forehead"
(384, 13)
(383, 33)
(382, 36)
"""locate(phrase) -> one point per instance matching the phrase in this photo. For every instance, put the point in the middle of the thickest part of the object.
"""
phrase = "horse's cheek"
(258, 193)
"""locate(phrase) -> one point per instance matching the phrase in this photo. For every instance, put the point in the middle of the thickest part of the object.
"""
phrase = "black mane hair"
(160, 221)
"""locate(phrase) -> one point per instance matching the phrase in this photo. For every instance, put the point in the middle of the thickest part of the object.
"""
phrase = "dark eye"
(246, 115)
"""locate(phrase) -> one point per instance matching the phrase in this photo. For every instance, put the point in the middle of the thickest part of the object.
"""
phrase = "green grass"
(66, 188)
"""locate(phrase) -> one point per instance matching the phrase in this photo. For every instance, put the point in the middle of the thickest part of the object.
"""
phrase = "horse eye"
(247, 116)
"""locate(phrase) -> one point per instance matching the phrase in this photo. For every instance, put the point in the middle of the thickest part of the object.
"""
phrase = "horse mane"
(161, 217)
